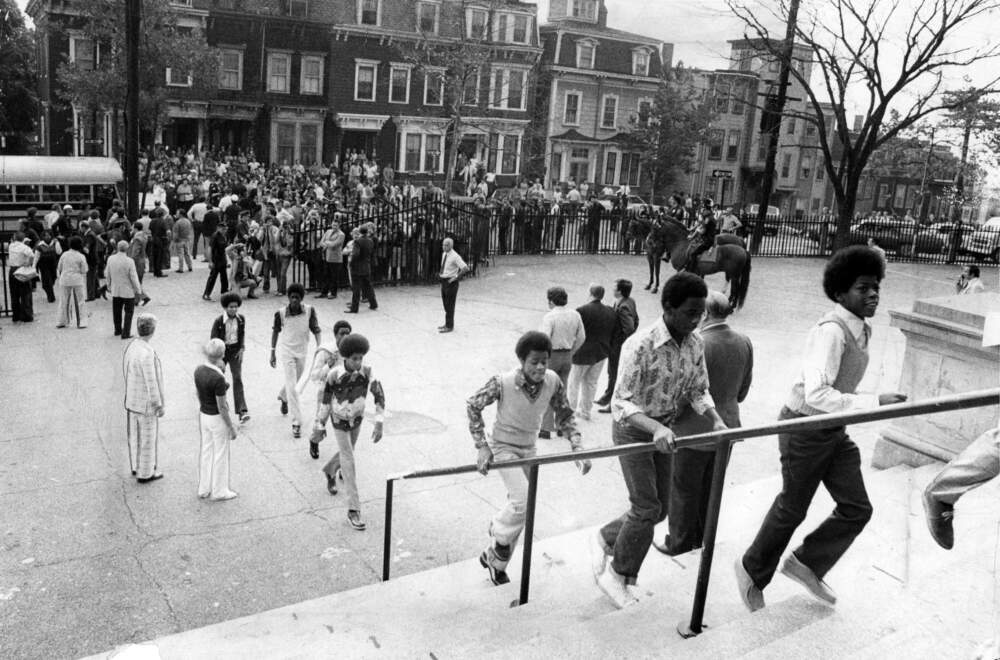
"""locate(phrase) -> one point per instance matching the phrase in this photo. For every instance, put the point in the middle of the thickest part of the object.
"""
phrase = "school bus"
(42, 181)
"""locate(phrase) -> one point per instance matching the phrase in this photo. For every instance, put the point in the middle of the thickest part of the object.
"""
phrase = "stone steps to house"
(899, 596)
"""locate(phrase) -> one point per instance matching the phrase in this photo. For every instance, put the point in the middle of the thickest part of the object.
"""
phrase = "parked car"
(889, 234)
(772, 222)
(934, 239)
(984, 241)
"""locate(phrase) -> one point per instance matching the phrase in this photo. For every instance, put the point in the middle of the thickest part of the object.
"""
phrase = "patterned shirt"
(344, 396)
(490, 393)
(656, 375)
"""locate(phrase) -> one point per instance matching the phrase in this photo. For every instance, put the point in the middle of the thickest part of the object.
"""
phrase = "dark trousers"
(827, 457)
(330, 277)
(690, 487)
(235, 361)
(217, 271)
(21, 304)
(92, 273)
(647, 477)
(159, 253)
(449, 294)
(121, 312)
(361, 285)
(47, 273)
(561, 362)
(268, 267)
(613, 357)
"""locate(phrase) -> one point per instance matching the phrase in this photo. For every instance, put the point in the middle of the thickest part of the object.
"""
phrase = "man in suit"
(159, 233)
(729, 360)
(361, 272)
(123, 283)
(599, 323)
(628, 322)
(217, 252)
(143, 401)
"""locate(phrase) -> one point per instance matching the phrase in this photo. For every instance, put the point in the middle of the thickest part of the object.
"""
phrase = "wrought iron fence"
(5, 307)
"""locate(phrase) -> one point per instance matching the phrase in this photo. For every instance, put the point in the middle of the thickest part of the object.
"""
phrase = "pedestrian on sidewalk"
(289, 346)
(627, 323)
(159, 231)
(833, 364)
(361, 272)
(332, 260)
(729, 361)
(144, 401)
(216, 426)
(599, 323)
(662, 370)
(347, 385)
(230, 327)
(72, 273)
(218, 269)
(20, 255)
(125, 288)
(969, 282)
(327, 355)
(453, 268)
(523, 396)
(180, 245)
(47, 251)
(564, 328)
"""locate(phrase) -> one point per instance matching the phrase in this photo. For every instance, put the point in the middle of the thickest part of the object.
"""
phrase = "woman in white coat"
(71, 274)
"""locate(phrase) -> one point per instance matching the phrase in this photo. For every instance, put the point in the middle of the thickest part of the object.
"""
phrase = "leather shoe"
(603, 401)
(939, 518)
(446, 330)
(545, 435)
(350, 311)
(331, 485)
(804, 575)
(604, 409)
(751, 595)
(146, 480)
(314, 450)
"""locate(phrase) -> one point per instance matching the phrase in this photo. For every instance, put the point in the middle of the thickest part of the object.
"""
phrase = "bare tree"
(854, 48)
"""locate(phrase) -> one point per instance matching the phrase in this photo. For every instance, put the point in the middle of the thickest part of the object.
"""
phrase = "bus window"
(53, 193)
(80, 193)
(6, 193)
(26, 194)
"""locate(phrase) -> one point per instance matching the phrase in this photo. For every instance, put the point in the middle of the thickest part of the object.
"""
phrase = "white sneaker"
(598, 558)
(613, 585)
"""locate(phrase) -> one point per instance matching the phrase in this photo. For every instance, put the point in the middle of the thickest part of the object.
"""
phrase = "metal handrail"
(721, 441)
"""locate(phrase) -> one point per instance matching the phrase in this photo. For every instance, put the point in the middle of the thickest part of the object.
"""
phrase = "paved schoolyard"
(89, 559)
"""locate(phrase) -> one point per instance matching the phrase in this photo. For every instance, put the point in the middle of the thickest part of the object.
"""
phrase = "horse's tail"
(741, 284)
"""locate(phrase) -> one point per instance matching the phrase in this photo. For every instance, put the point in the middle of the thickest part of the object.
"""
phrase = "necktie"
(444, 258)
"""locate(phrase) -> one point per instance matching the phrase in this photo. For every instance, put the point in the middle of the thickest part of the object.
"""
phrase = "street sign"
(722, 174)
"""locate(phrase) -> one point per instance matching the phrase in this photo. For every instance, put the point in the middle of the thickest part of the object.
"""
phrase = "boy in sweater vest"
(836, 356)
(522, 396)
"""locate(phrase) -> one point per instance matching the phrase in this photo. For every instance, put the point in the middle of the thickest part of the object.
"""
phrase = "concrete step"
(886, 584)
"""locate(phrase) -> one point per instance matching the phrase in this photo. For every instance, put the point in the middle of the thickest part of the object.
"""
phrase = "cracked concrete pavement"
(90, 559)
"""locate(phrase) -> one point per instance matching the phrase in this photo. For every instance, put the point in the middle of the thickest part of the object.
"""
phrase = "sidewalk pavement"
(89, 559)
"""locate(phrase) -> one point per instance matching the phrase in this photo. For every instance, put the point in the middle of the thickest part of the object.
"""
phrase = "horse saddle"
(709, 255)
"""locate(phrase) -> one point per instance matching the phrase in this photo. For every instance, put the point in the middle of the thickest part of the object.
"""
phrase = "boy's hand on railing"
(484, 459)
(890, 398)
(584, 466)
(665, 440)
(377, 433)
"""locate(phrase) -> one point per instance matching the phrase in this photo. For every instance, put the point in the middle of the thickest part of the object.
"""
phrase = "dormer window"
(584, 9)
(369, 12)
(640, 62)
(586, 53)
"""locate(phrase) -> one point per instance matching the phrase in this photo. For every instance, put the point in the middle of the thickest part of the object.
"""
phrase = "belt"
(561, 350)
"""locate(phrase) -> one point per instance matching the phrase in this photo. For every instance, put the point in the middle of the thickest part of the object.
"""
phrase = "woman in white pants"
(217, 427)
(71, 275)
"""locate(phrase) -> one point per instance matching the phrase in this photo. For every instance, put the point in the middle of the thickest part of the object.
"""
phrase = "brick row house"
(595, 80)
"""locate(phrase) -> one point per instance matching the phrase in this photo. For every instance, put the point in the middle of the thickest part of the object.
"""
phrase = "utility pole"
(771, 124)
(924, 201)
(132, 28)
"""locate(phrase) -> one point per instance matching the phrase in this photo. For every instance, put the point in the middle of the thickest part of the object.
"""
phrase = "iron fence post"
(529, 532)
(387, 543)
(694, 626)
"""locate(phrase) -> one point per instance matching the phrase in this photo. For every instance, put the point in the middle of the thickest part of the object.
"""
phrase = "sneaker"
(244, 417)
(939, 517)
(796, 570)
(751, 595)
(331, 485)
(231, 495)
(598, 556)
(296, 431)
(614, 587)
(498, 576)
(284, 407)
(354, 518)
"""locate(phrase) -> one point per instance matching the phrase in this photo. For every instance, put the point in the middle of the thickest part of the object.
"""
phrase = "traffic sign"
(722, 174)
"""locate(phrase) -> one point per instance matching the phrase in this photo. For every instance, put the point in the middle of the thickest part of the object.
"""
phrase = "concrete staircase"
(900, 596)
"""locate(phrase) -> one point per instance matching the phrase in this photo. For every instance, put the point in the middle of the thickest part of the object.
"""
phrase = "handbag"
(26, 273)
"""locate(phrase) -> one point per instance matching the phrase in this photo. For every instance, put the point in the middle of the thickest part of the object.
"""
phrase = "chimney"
(859, 121)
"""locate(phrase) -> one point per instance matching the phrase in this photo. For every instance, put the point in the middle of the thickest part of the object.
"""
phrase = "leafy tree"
(164, 43)
(677, 122)
(18, 101)
(879, 56)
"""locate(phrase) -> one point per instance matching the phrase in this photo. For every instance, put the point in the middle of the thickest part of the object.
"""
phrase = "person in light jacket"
(123, 283)
(143, 401)
(72, 277)
(332, 245)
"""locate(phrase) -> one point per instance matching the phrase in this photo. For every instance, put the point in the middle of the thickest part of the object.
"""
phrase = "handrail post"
(387, 543)
(694, 626)
(529, 533)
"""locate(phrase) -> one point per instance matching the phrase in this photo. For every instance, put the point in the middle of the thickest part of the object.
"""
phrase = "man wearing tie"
(628, 323)
(452, 270)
